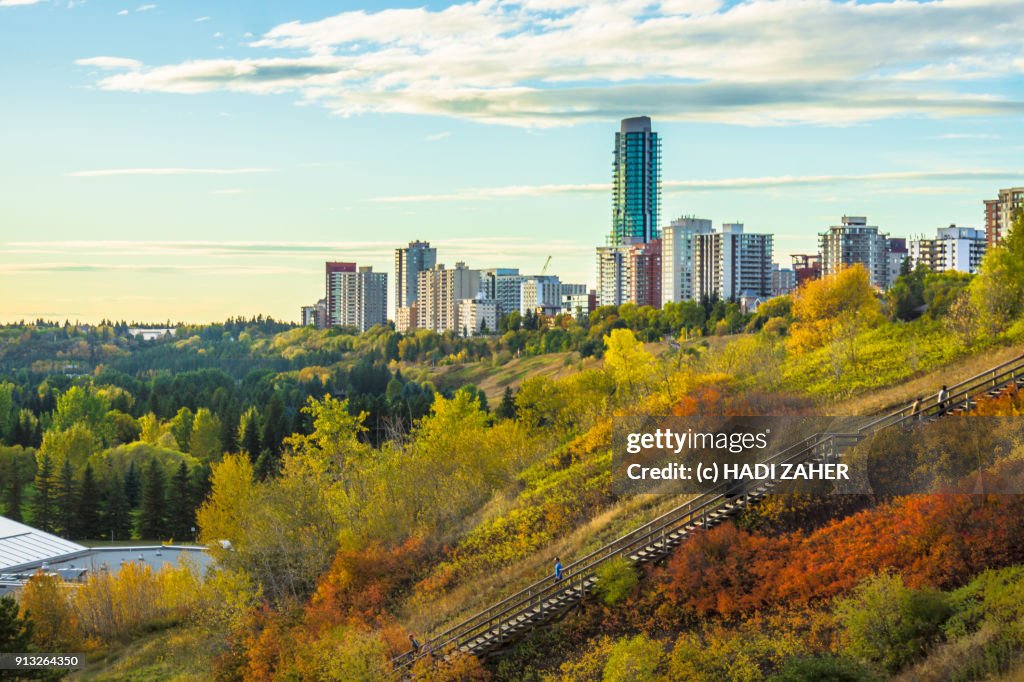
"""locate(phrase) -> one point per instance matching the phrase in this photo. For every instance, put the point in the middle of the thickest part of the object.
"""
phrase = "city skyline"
(157, 166)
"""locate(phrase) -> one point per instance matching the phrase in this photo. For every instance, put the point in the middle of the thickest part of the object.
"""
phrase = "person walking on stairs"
(558, 569)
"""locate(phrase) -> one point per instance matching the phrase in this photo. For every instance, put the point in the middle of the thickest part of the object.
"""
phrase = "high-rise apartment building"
(540, 292)
(504, 285)
(644, 264)
(783, 280)
(612, 275)
(954, 248)
(999, 213)
(636, 183)
(356, 297)
(478, 316)
(732, 264)
(896, 253)
(677, 257)
(406, 318)
(439, 292)
(314, 315)
(410, 261)
(856, 243)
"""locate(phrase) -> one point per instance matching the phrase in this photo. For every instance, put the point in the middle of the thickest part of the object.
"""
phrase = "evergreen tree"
(12, 494)
(66, 500)
(117, 518)
(251, 437)
(152, 521)
(507, 406)
(274, 425)
(229, 430)
(180, 511)
(267, 465)
(15, 631)
(88, 509)
(132, 486)
(43, 505)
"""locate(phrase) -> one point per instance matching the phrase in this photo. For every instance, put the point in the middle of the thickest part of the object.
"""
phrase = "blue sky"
(194, 160)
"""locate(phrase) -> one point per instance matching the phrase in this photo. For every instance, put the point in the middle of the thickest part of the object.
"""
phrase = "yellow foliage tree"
(631, 367)
(834, 310)
(45, 600)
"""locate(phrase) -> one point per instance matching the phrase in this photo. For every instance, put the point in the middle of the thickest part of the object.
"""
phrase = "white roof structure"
(24, 547)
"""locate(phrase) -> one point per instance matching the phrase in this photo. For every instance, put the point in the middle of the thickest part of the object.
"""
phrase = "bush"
(885, 622)
(635, 659)
(822, 669)
(615, 580)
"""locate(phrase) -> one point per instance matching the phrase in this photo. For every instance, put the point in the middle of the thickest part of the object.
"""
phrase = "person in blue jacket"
(558, 569)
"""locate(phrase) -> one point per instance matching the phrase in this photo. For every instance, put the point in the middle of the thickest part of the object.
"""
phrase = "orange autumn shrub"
(937, 540)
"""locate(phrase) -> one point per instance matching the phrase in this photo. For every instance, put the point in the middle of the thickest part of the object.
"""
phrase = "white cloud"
(726, 184)
(437, 136)
(122, 13)
(967, 136)
(556, 62)
(110, 63)
(145, 8)
(200, 20)
(15, 3)
(107, 172)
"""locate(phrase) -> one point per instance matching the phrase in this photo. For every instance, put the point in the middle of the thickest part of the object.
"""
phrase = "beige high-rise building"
(439, 291)
(356, 297)
(999, 214)
(856, 243)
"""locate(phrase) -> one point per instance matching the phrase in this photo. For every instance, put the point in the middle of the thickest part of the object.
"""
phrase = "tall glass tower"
(636, 183)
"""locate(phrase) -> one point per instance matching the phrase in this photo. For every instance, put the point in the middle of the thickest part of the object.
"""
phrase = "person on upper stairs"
(415, 644)
(943, 397)
(558, 569)
(915, 409)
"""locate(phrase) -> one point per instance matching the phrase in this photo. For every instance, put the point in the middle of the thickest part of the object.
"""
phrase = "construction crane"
(544, 270)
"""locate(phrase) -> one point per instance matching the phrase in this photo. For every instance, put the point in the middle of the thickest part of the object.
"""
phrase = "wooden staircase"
(513, 616)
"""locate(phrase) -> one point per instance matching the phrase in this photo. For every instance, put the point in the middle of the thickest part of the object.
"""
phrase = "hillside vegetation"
(354, 490)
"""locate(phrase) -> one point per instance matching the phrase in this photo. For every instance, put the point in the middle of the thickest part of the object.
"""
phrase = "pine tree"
(66, 499)
(274, 425)
(181, 513)
(132, 486)
(507, 406)
(251, 437)
(268, 465)
(152, 521)
(12, 494)
(229, 430)
(88, 513)
(15, 631)
(43, 505)
(117, 517)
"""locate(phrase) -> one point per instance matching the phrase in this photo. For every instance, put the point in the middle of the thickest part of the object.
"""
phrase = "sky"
(195, 160)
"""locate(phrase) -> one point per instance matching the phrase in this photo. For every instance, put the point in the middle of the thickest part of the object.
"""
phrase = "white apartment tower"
(732, 263)
(677, 271)
(954, 248)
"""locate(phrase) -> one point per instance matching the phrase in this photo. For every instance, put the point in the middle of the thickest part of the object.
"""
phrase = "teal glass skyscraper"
(636, 183)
